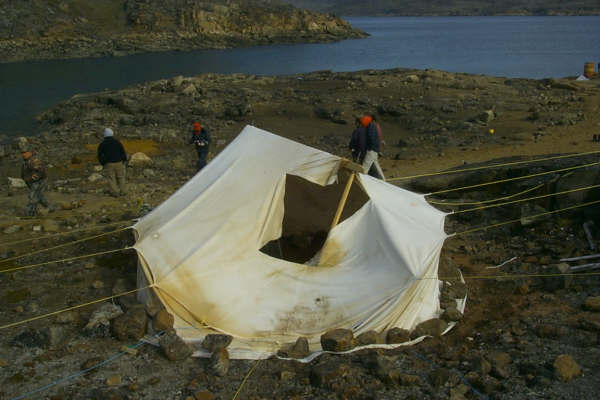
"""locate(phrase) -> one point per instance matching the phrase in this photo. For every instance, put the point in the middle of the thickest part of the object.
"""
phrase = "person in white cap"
(112, 156)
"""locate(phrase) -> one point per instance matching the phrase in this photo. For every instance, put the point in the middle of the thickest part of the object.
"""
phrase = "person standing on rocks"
(112, 156)
(201, 141)
(372, 147)
(379, 133)
(33, 172)
(358, 142)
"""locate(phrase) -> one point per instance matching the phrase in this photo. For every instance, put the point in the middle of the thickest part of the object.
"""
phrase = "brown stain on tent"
(331, 254)
(305, 320)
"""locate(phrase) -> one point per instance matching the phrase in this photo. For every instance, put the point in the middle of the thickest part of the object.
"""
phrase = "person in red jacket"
(372, 147)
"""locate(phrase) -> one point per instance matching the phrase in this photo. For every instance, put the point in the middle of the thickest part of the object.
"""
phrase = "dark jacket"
(372, 138)
(33, 170)
(111, 151)
(358, 143)
(200, 137)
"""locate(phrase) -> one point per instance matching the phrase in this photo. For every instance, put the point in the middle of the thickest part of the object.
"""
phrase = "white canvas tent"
(201, 251)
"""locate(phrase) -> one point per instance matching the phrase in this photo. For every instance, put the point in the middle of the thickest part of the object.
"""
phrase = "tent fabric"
(200, 250)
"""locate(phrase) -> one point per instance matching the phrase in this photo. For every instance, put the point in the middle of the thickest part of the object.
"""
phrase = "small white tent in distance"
(245, 248)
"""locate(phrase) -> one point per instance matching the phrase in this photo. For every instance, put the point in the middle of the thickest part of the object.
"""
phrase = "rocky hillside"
(531, 327)
(439, 7)
(50, 29)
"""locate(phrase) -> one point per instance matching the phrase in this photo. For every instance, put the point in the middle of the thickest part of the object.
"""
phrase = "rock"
(481, 366)
(457, 290)
(95, 177)
(204, 395)
(22, 143)
(98, 284)
(16, 183)
(451, 314)
(91, 363)
(590, 324)
(592, 303)
(487, 384)
(552, 331)
(162, 321)
(177, 81)
(56, 334)
(397, 335)
(68, 317)
(326, 374)
(173, 347)
(214, 342)
(139, 160)
(219, 362)
(113, 380)
(148, 173)
(486, 116)
(31, 338)
(369, 337)
(98, 168)
(409, 380)
(12, 229)
(131, 325)
(296, 350)
(500, 363)
(189, 90)
(412, 79)
(338, 340)
(99, 322)
(433, 327)
(439, 377)
(566, 368)
(553, 283)
(129, 350)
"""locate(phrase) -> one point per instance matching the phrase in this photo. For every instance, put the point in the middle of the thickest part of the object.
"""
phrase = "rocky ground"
(521, 336)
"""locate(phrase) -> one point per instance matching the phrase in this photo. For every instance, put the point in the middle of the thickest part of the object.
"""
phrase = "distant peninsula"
(54, 29)
(450, 7)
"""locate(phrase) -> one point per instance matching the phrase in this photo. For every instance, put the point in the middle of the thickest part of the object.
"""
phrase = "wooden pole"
(342, 202)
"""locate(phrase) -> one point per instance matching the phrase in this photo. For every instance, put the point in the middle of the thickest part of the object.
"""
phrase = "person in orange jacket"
(33, 172)
(373, 146)
(201, 141)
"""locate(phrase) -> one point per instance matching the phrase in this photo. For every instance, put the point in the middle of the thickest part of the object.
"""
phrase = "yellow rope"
(442, 203)
(517, 276)
(64, 244)
(528, 217)
(246, 378)
(526, 199)
(514, 179)
(89, 228)
(491, 166)
(72, 308)
(63, 260)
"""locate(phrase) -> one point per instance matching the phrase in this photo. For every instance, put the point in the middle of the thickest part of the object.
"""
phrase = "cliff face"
(48, 29)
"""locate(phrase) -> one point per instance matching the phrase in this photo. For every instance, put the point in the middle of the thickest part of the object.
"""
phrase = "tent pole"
(342, 203)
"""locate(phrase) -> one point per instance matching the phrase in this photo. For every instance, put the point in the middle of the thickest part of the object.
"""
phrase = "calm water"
(529, 47)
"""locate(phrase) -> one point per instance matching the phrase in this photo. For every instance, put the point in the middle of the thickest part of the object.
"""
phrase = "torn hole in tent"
(309, 212)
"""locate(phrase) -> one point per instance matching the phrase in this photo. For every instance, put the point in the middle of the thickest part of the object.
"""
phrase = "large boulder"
(131, 325)
(338, 340)
(173, 347)
(139, 159)
(566, 368)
